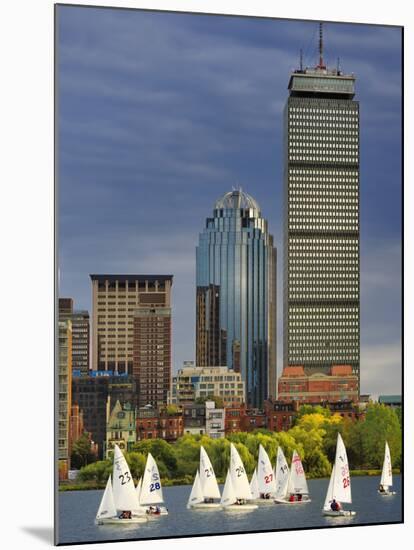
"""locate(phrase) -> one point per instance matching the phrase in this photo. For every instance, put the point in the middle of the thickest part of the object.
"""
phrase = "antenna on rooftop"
(301, 59)
(321, 65)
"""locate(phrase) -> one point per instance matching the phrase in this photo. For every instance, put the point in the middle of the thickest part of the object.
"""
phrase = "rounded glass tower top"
(237, 199)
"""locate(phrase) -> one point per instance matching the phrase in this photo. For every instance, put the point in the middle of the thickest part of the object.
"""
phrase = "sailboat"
(339, 488)
(151, 497)
(265, 476)
(386, 476)
(205, 488)
(236, 492)
(119, 504)
(296, 490)
(281, 475)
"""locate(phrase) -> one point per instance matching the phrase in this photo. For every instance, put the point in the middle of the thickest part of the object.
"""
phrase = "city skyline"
(227, 131)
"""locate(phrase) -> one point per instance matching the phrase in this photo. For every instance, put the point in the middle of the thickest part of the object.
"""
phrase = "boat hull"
(261, 501)
(118, 521)
(284, 501)
(240, 507)
(205, 506)
(162, 511)
(387, 493)
(339, 513)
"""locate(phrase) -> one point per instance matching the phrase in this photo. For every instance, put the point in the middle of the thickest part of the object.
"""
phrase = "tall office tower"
(236, 295)
(115, 298)
(80, 334)
(152, 353)
(80, 342)
(321, 221)
(64, 396)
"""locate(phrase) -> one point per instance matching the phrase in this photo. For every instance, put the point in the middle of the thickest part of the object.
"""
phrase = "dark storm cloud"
(160, 114)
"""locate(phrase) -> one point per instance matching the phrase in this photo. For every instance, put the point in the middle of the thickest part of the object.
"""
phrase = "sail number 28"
(154, 487)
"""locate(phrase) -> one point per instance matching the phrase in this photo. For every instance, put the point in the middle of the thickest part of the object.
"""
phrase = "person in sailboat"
(335, 505)
(126, 514)
(381, 489)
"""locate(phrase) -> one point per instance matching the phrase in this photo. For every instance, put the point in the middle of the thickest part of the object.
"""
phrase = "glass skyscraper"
(236, 295)
(321, 221)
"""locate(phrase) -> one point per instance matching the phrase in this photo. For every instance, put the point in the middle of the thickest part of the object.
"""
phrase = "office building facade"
(236, 294)
(152, 353)
(80, 334)
(192, 383)
(64, 395)
(115, 299)
(321, 297)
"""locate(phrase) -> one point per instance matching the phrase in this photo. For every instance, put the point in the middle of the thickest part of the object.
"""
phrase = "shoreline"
(92, 486)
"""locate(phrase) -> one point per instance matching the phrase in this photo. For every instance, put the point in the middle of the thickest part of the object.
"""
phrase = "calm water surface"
(77, 510)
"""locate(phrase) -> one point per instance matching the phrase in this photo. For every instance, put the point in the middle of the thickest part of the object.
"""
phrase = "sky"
(159, 114)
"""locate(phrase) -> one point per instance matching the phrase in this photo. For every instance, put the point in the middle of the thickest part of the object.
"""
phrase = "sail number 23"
(125, 478)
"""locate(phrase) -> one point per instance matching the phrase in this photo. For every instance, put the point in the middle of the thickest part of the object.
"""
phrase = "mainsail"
(297, 479)
(238, 475)
(281, 474)
(265, 474)
(207, 476)
(125, 496)
(386, 476)
(151, 491)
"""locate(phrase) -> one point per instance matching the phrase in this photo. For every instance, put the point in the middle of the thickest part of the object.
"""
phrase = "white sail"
(329, 495)
(265, 474)
(297, 479)
(107, 506)
(125, 496)
(151, 491)
(341, 489)
(238, 475)
(138, 488)
(254, 486)
(386, 477)
(229, 496)
(207, 476)
(196, 495)
(281, 474)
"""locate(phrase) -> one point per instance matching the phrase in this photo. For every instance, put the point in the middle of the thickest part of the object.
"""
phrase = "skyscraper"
(321, 221)
(236, 295)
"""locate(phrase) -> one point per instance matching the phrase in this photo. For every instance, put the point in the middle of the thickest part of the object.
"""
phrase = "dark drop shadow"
(43, 533)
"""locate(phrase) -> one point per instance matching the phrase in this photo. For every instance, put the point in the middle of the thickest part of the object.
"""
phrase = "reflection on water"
(77, 511)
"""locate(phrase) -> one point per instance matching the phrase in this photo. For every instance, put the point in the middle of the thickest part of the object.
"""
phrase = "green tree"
(98, 471)
(163, 453)
(81, 452)
(136, 463)
(381, 424)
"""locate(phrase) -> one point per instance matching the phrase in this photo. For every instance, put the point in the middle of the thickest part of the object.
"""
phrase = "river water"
(77, 510)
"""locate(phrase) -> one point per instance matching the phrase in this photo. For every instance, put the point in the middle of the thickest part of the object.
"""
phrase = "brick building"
(296, 384)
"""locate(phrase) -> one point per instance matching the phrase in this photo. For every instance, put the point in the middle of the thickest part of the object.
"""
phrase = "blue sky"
(160, 114)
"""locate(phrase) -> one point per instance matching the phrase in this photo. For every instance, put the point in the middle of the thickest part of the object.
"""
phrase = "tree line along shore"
(313, 436)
